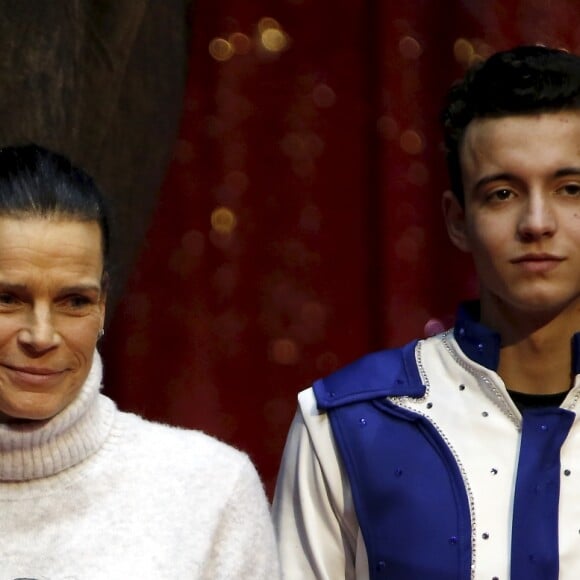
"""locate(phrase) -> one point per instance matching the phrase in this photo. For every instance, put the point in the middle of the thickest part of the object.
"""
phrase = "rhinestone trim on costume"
(404, 402)
(498, 397)
(575, 397)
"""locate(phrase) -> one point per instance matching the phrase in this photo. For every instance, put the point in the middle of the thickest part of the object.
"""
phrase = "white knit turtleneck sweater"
(96, 494)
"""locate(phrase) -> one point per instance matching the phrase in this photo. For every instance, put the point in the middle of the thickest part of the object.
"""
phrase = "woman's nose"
(39, 332)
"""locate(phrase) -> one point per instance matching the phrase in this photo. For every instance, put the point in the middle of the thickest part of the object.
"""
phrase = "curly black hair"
(521, 81)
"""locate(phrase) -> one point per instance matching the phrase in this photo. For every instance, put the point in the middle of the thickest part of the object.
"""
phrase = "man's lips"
(539, 262)
(537, 258)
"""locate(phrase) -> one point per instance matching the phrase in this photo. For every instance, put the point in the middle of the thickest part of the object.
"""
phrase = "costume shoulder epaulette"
(387, 373)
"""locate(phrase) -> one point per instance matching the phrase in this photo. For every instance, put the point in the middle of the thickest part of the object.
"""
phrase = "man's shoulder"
(385, 373)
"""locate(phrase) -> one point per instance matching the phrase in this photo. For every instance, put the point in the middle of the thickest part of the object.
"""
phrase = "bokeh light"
(323, 96)
(271, 35)
(284, 351)
(274, 40)
(433, 326)
(463, 51)
(240, 43)
(223, 220)
(411, 142)
(267, 23)
(220, 49)
(410, 48)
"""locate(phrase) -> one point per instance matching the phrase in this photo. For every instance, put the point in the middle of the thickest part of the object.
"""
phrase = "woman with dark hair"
(87, 491)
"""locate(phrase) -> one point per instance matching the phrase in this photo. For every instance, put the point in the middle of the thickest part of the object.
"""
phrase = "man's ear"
(454, 215)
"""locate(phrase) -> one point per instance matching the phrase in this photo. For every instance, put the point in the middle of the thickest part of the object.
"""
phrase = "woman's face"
(52, 306)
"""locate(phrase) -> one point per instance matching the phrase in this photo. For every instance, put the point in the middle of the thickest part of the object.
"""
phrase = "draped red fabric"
(299, 225)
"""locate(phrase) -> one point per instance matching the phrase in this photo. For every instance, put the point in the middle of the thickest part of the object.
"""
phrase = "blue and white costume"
(415, 463)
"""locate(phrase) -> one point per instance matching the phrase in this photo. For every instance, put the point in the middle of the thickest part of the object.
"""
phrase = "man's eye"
(571, 189)
(500, 194)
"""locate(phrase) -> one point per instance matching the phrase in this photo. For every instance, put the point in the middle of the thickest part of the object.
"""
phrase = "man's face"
(521, 220)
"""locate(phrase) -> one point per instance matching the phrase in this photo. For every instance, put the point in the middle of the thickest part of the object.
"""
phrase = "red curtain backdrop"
(299, 225)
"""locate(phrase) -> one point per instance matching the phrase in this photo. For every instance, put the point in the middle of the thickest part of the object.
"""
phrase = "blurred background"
(276, 170)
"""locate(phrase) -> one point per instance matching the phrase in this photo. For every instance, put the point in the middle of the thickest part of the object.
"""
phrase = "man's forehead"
(484, 131)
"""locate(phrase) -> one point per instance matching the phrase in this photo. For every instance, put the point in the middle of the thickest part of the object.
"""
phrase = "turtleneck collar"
(482, 344)
(44, 448)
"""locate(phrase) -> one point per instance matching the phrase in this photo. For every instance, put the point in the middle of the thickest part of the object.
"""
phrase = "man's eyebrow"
(494, 177)
(565, 171)
(505, 176)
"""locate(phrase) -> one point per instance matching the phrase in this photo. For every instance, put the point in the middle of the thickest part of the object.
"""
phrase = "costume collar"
(395, 372)
(482, 344)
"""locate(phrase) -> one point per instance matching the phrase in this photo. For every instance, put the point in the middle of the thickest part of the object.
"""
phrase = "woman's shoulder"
(177, 447)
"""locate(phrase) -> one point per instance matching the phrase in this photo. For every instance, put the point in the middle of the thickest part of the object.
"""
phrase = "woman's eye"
(77, 302)
(7, 299)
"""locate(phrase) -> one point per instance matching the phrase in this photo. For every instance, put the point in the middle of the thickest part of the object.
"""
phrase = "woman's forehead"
(48, 244)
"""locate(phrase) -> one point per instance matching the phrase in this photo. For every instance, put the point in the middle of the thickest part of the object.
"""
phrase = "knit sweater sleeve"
(244, 545)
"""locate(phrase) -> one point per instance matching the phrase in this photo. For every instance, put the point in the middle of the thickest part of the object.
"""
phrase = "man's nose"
(537, 219)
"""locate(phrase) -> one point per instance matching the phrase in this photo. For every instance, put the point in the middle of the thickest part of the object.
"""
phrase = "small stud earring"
(101, 333)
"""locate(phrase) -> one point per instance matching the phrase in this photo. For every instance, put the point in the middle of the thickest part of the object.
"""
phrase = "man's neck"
(536, 352)
(537, 366)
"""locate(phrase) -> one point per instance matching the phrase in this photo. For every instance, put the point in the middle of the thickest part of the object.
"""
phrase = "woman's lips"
(34, 376)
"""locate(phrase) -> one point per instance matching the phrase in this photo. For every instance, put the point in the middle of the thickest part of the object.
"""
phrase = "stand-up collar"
(482, 344)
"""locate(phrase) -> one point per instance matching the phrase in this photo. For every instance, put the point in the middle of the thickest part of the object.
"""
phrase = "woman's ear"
(454, 214)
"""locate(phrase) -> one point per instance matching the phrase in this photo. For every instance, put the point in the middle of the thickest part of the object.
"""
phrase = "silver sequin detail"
(499, 397)
(404, 402)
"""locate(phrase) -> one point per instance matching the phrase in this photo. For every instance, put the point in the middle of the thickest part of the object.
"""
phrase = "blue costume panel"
(411, 496)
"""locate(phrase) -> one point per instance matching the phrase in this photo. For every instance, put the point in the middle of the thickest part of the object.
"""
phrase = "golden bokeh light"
(284, 351)
(274, 40)
(323, 96)
(410, 48)
(240, 43)
(223, 220)
(463, 51)
(266, 23)
(220, 49)
(411, 142)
